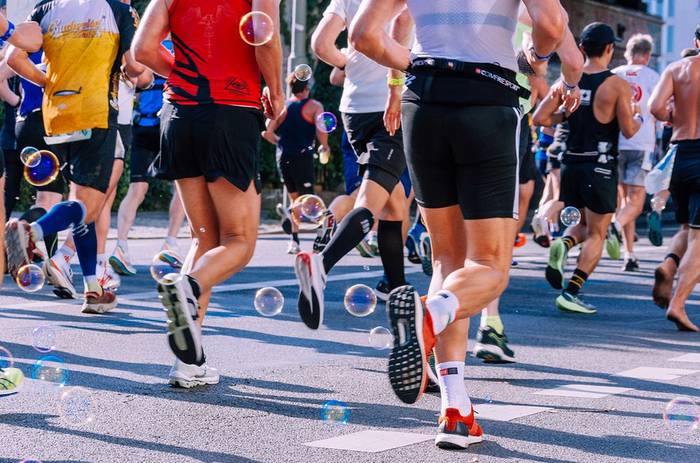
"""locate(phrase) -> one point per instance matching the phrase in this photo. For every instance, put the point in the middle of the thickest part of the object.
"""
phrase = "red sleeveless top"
(212, 62)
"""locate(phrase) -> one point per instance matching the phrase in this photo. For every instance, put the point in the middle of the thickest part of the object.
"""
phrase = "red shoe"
(458, 432)
(413, 341)
(520, 240)
(99, 303)
(19, 245)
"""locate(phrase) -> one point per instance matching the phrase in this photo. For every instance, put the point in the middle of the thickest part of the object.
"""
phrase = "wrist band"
(396, 81)
(541, 58)
(568, 87)
(8, 33)
(342, 69)
(639, 117)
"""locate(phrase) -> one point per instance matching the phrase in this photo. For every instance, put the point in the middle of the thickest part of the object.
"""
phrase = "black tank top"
(588, 138)
(296, 133)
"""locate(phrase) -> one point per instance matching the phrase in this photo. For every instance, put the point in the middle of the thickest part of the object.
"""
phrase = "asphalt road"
(276, 375)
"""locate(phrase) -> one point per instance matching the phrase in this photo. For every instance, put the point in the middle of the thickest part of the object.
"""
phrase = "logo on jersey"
(637, 92)
(236, 86)
(585, 97)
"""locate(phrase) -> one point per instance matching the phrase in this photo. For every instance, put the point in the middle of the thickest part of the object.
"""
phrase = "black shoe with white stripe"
(180, 303)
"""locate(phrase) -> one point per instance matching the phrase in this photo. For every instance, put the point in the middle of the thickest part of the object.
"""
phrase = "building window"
(660, 7)
(671, 8)
(670, 31)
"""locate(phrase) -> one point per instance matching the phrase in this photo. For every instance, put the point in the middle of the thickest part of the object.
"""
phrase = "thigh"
(90, 161)
(199, 208)
(490, 242)
(448, 240)
(246, 219)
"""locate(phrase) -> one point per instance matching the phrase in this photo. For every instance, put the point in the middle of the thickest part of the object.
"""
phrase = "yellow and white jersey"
(84, 41)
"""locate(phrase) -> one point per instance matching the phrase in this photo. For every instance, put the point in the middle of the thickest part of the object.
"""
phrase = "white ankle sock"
(101, 259)
(37, 232)
(91, 284)
(124, 245)
(443, 307)
(171, 241)
(453, 392)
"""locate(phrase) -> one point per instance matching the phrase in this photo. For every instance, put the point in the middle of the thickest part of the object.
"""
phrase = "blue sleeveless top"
(295, 132)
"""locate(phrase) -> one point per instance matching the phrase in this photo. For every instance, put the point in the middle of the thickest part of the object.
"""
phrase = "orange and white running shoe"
(458, 432)
(520, 240)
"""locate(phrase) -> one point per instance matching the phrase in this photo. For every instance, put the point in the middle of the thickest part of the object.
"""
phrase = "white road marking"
(656, 374)
(496, 412)
(584, 391)
(686, 358)
(371, 441)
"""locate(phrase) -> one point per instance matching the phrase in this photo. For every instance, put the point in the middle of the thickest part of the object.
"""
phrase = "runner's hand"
(273, 103)
(392, 113)
(570, 98)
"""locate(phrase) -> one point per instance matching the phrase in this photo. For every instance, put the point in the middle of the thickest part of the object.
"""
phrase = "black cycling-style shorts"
(380, 156)
(211, 140)
(590, 185)
(685, 183)
(527, 170)
(89, 162)
(464, 155)
(145, 145)
(30, 132)
(297, 171)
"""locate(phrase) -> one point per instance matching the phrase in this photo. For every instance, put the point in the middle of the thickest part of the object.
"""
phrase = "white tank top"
(474, 31)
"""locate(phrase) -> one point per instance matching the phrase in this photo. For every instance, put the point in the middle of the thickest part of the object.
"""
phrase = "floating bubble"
(166, 266)
(570, 216)
(381, 338)
(44, 170)
(488, 399)
(303, 72)
(682, 415)
(51, 369)
(28, 156)
(308, 211)
(256, 28)
(11, 380)
(6, 358)
(44, 339)
(76, 406)
(326, 122)
(360, 300)
(657, 204)
(30, 278)
(268, 301)
(335, 411)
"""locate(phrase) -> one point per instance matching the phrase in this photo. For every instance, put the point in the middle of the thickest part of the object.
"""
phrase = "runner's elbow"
(362, 38)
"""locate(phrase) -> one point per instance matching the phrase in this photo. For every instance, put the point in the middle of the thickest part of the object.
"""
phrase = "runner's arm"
(19, 61)
(368, 36)
(626, 116)
(321, 136)
(323, 41)
(27, 35)
(548, 113)
(337, 77)
(6, 94)
(548, 24)
(269, 134)
(401, 31)
(269, 59)
(662, 94)
(146, 47)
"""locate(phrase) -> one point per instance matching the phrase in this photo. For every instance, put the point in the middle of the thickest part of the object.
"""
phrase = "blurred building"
(681, 17)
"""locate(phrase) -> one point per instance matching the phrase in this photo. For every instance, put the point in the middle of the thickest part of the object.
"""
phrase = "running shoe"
(382, 290)
(107, 277)
(364, 249)
(312, 282)
(325, 232)
(655, 230)
(413, 342)
(413, 256)
(120, 262)
(540, 229)
(189, 376)
(171, 247)
(59, 275)
(613, 241)
(567, 302)
(492, 347)
(416, 231)
(373, 243)
(631, 265)
(555, 267)
(11, 380)
(286, 220)
(458, 432)
(293, 247)
(520, 240)
(426, 254)
(181, 306)
(99, 303)
(433, 385)
(19, 245)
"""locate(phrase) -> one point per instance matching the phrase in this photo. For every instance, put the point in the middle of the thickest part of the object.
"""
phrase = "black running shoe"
(382, 290)
(492, 347)
(655, 230)
(180, 303)
(631, 265)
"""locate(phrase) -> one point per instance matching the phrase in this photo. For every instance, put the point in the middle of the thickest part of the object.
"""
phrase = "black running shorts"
(463, 155)
(526, 166)
(145, 145)
(213, 141)
(591, 185)
(380, 155)
(685, 183)
(297, 171)
(89, 162)
(30, 132)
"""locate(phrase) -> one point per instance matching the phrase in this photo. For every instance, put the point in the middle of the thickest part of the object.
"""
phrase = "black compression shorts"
(298, 171)
(89, 162)
(30, 132)
(685, 183)
(463, 155)
(590, 185)
(145, 145)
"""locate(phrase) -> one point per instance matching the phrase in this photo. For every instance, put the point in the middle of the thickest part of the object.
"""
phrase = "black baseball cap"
(697, 32)
(599, 33)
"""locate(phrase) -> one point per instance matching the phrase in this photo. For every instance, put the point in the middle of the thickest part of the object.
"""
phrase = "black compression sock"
(569, 242)
(578, 279)
(390, 240)
(350, 232)
(295, 237)
(674, 258)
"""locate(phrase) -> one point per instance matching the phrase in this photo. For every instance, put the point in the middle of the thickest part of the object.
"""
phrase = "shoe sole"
(656, 236)
(120, 267)
(407, 361)
(612, 246)
(426, 259)
(99, 309)
(183, 333)
(571, 308)
(381, 296)
(304, 268)
(63, 288)
(554, 271)
(16, 248)
(455, 441)
(189, 383)
(492, 354)
(364, 250)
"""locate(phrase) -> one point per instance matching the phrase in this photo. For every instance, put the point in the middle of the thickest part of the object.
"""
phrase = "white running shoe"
(171, 247)
(107, 277)
(59, 275)
(188, 376)
(181, 306)
(312, 282)
(293, 247)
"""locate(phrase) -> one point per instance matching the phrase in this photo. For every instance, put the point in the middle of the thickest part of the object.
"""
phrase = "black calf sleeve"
(350, 232)
(391, 251)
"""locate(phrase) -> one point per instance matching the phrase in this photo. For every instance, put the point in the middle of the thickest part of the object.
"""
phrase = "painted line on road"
(497, 412)
(583, 391)
(656, 374)
(695, 358)
(371, 441)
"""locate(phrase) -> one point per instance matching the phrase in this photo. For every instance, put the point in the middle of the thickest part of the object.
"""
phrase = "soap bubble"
(303, 72)
(682, 415)
(30, 278)
(360, 300)
(326, 122)
(308, 211)
(381, 338)
(51, 369)
(28, 156)
(268, 301)
(570, 216)
(76, 406)
(44, 339)
(166, 266)
(6, 358)
(335, 411)
(256, 28)
(44, 168)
